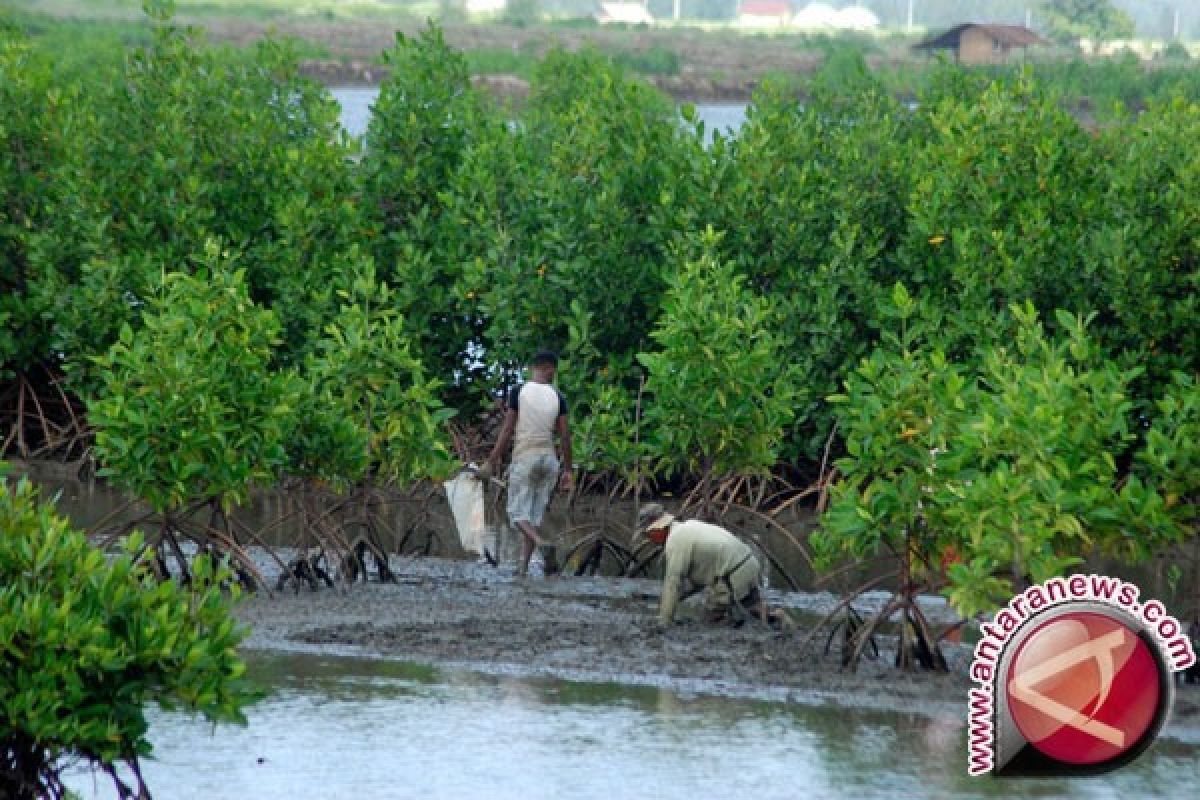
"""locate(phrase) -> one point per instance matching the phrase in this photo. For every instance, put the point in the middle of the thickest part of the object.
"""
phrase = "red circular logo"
(1083, 688)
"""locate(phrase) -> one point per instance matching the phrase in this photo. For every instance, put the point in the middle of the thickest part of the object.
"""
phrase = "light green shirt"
(700, 554)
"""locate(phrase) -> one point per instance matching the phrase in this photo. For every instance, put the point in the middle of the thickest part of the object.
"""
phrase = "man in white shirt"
(536, 412)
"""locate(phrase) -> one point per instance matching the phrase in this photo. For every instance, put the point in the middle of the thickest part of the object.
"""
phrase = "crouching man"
(697, 557)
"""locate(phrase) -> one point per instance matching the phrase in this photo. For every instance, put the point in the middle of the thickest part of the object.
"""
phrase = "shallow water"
(337, 727)
(356, 111)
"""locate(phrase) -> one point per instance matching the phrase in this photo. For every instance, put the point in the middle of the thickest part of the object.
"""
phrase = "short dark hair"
(544, 358)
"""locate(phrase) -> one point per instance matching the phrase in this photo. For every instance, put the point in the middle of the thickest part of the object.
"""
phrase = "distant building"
(764, 13)
(857, 18)
(486, 6)
(815, 17)
(983, 44)
(822, 17)
(627, 13)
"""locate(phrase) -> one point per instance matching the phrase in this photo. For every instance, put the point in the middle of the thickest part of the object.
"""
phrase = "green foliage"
(425, 123)
(1177, 52)
(812, 200)
(1071, 20)
(603, 440)
(569, 224)
(188, 407)
(588, 196)
(31, 144)
(185, 146)
(902, 407)
(655, 60)
(1142, 240)
(1007, 470)
(1170, 460)
(500, 61)
(87, 641)
(1003, 194)
(720, 390)
(371, 406)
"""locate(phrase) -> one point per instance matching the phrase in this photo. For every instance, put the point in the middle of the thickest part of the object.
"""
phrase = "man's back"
(702, 553)
(538, 407)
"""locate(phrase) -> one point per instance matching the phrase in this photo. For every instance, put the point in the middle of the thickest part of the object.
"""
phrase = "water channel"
(345, 727)
(356, 111)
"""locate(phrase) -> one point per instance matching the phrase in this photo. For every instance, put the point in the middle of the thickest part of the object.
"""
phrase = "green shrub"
(720, 395)
(88, 641)
(370, 411)
(812, 201)
(188, 408)
(182, 146)
(996, 476)
(425, 122)
(655, 60)
(586, 198)
(33, 140)
(1002, 199)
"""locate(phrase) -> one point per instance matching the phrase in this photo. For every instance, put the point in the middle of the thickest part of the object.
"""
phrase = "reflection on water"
(351, 728)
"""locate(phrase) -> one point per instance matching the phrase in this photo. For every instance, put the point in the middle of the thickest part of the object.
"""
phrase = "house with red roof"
(764, 13)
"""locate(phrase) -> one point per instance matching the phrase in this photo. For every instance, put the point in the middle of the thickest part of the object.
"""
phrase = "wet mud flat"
(462, 614)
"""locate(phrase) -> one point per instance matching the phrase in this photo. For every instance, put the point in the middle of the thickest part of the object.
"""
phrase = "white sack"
(465, 495)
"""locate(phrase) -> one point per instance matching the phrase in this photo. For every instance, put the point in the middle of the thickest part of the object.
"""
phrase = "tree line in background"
(969, 325)
(209, 285)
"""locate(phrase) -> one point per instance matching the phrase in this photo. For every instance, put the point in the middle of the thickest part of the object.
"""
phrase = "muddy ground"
(458, 613)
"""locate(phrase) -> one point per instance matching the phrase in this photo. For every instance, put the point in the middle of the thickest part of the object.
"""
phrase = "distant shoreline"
(510, 87)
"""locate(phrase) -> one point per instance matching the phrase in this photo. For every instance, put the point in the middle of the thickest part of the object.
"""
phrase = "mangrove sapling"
(368, 419)
(38, 417)
(189, 413)
(979, 482)
(91, 639)
(720, 391)
(428, 175)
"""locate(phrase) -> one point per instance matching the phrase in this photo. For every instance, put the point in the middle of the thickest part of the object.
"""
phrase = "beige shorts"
(531, 481)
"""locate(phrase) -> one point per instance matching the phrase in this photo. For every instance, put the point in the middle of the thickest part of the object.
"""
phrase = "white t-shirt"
(538, 407)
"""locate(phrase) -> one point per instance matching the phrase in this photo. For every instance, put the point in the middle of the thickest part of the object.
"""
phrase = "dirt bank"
(597, 629)
(723, 66)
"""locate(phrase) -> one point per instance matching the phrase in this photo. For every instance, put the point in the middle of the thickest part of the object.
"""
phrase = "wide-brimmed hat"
(652, 517)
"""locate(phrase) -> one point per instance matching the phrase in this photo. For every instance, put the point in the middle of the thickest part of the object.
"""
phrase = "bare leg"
(529, 541)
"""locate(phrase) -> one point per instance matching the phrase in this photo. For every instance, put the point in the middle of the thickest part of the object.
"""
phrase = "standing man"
(701, 556)
(535, 412)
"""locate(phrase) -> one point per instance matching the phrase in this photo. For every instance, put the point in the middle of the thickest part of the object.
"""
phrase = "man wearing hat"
(536, 413)
(700, 556)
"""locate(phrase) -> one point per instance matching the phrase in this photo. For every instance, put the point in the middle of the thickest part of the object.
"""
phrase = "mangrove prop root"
(849, 627)
(849, 598)
(39, 418)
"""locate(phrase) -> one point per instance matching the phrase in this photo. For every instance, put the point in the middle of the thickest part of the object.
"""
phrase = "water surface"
(356, 111)
(338, 727)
